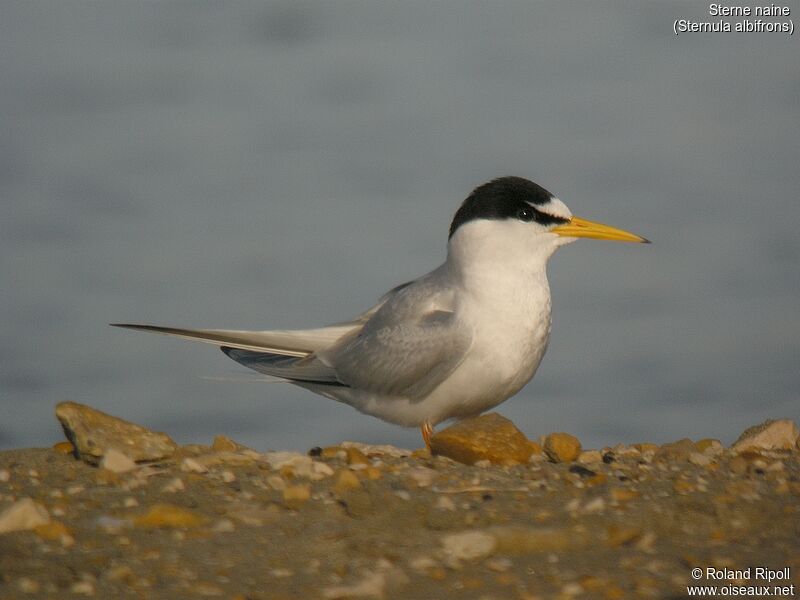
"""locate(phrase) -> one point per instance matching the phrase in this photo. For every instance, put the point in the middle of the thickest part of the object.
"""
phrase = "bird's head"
(513, 216)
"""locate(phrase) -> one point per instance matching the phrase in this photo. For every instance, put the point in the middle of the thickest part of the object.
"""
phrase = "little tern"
(450, 344)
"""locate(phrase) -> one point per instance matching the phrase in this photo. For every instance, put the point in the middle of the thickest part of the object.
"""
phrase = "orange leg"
(427, 431)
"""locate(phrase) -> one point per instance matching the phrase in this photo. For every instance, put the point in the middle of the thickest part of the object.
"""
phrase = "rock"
(562, 447)
(700, 459)
(589, 457)
(488, 437)
(675, 451)
(190, 465)
(169, 516)
(356, 457)
(23, 514)
(222, 443)
(300, 465)
(117, 462)
(469, 545)
(295, 495)
(770, 435)
(93, 433)
(345, 480)
(709, 446)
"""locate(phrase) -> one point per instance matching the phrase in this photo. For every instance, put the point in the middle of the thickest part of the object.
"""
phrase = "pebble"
(675, 452)
(223, 443)
(169, 516)
(4, 475)
(174, 485)
(346, 480)
(700, 459)
(117, 462)
(422, 476)
(23, 514)
(489, 437)
(562, 447)
(26, 585)
(295, 495)
(93, 433)
(301, 465)
(469, 545)
(589, 457)
(190, 465)
(772, 434)
(513, 539)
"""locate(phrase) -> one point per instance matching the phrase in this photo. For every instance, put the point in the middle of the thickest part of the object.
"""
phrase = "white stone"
(117, 462)
(23, 514)
(469, 545)
(769, 435)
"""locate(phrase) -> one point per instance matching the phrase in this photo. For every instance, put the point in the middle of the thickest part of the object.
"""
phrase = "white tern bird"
(450, 344)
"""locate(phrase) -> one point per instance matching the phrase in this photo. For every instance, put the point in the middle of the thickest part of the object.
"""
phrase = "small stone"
(84, 588)
(646, 447)
(169, 516)
(345, 480)
(228, 476)
(590, 457)
(445, 503)
(330, 452)
(64, 448)
(499, 565)
(223, 526)
(93, 433)
(23, 514)
(489, 437)
(174, 485)
(738, 465)
(562, 447)
(682, 486)
(770, 435)
(675, 451)
(117, 462)
(709, 446)
(594, 505)
(582, 471)
(130, 502)
(190, 465)
(26, 585)
(623, 494)
(422, 476)
(222, 443)
(356, 457)
(621, 535)
(55, 531)
(700, 459)
(469, 545)
(4, 475)
(295, 495)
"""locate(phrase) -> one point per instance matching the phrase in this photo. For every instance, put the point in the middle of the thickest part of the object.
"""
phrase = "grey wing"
(406, 349)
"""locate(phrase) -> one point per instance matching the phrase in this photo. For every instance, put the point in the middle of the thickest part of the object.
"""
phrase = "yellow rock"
(619, 535)
(222, 443)
(356, 457)
(623, 494)
(332, 452)
(488, 437)
(372, 473)
(772, 434)
(64, 447)
(53, 530)
(295, 495)
(646, 447)
(93, 433)
(169, 516)
(562, 447)
(345, 480)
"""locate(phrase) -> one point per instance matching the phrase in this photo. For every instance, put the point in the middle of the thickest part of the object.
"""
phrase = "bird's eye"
(525, 214)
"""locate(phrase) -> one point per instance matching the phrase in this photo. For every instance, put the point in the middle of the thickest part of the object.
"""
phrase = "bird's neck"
(497, 268)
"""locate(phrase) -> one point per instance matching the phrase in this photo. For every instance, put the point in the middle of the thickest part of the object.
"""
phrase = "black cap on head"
(504, 198)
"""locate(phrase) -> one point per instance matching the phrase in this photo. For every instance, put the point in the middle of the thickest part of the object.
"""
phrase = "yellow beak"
(578, 227)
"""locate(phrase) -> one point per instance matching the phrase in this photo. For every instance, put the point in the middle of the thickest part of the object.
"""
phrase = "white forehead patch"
(554, 208)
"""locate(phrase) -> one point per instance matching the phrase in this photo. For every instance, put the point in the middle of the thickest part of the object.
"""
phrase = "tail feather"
(298, 343)
(290, 368)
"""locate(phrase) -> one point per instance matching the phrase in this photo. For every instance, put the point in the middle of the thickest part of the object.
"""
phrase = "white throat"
(497, 256)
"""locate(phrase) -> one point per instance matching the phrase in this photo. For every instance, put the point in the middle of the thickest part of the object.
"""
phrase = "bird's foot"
(427, 432)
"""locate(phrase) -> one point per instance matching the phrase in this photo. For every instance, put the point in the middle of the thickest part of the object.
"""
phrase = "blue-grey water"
(282, 164)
